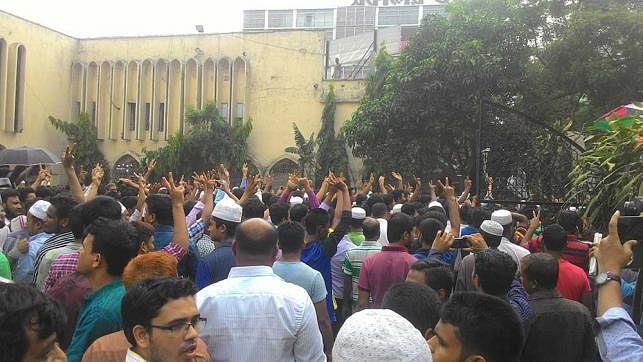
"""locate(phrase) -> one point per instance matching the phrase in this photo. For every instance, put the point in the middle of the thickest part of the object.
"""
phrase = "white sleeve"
(309, 345)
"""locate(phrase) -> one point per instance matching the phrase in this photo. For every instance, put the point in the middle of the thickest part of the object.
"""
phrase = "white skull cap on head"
(380, 335)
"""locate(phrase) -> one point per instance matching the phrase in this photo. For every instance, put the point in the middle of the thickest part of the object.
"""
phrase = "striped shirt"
(354, 259)
(67, 263)
(55, 242)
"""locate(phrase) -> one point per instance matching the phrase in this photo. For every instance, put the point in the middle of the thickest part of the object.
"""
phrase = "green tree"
(208, 141)
(552, 60)
(305, 151)
(609, 172)
(83, 134)
(331, 148)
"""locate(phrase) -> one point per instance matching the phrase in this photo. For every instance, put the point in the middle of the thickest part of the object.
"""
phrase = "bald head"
(371, 229)
(255, 237)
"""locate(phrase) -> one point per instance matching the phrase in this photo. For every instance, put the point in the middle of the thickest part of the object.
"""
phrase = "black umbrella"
(27, 156)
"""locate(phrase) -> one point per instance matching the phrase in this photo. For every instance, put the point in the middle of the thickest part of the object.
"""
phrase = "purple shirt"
(382, 270)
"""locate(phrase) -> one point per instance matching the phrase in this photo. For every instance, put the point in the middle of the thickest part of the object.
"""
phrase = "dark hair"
(437, 274)
(397, 226)
(569, 220)
(44, 192)
(188, 206)
(315, 219)
(238, 192)
(144, 231)
(116, 241)
(19, 304)
(278, 212)
(410, 208)
(298, 212)
(130, 202)
(113, 194)
(541, 268)
(397, 195)
(63, 203)
(161, 206)
(466, 213)
(82, 215)
(485, 325)
(230, 227)
(128, 192)
(143, 301)
(371, 229)
(418, 303)
(23, 192)
(256, 242)
(429, 229)
(478, 215)
(291, 237)
(379, 210)
(555, 237)
(388, 200)
(252, 208)
(435, 214)
(495, 270)
(5, 194)
(361, 199)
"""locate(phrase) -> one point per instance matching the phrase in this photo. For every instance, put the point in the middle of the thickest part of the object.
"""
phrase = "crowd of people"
(204, 270)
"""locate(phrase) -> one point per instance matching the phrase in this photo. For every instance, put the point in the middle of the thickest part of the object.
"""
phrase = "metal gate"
(527, 159)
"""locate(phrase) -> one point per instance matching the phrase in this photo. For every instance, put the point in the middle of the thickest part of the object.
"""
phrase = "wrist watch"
(603, 278)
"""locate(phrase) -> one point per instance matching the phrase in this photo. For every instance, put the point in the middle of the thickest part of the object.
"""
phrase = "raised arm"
(312, 198)
(417, 192)
(534, 223)
(72, 178)
(250, 190)
(454, 210)
(323, 189)
(43, 175)
(467, 189)
(180, 231)
(432, 187)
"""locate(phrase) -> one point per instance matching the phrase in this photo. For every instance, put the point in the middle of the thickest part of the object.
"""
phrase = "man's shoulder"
(263, 288)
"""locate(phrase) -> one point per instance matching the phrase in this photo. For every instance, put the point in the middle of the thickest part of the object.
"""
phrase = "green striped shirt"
(354, 259)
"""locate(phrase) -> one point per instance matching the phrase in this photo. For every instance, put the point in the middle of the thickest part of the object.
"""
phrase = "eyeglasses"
(196, 323)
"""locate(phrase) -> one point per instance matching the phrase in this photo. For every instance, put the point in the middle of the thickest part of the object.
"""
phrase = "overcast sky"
(93, 18)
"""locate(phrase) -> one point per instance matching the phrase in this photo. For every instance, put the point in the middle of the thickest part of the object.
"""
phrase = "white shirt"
(515, 251)
(383, 240)
(132, 356)
(255, 316)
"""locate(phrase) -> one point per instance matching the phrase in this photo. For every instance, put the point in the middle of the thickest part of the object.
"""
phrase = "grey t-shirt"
(301, 274)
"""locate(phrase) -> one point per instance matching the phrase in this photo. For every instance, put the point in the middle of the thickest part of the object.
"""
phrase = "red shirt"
(576, 251)
(572, 281)
(382, 270)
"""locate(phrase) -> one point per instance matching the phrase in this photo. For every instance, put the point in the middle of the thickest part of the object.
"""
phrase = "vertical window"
(239, 111)
(93, 113)
(20, 89)
(224, 110)
(148, 113)
(131, 116)
(75, 111)
(161, 117)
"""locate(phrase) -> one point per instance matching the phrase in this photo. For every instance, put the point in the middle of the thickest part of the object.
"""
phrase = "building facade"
(136, 89)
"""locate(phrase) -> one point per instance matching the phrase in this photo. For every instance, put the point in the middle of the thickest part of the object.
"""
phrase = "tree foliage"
(609, 172)
(331, 148)
(538, 56)
(327, 151)
(83, 133)
(305, 150)
(208, 141)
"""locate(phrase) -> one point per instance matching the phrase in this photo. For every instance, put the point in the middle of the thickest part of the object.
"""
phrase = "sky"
(93, 18)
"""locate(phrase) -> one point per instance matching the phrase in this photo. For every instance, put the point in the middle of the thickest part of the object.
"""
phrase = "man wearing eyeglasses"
(161, 320)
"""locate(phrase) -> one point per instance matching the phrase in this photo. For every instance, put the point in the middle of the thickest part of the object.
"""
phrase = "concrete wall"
(49, 56)
(277, 76)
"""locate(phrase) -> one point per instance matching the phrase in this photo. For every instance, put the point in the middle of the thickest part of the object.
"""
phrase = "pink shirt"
(572, 281)
(382, 270)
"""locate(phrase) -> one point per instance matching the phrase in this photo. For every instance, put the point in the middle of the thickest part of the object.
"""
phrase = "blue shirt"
(617, 338)
(215, 266)
(315, 257)
(100, 315)
(301, 274)
(25, 264)
(519, 300)
(162, 236)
